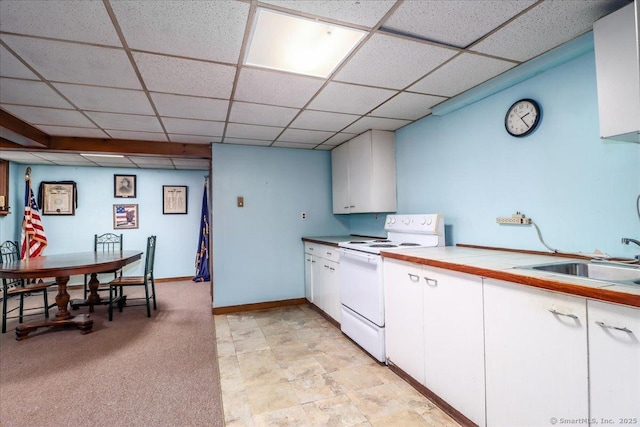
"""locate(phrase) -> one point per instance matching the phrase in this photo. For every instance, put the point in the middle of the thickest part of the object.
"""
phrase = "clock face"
(522, 118)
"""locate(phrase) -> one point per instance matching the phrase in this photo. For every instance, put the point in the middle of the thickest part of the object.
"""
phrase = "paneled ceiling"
(158, 81)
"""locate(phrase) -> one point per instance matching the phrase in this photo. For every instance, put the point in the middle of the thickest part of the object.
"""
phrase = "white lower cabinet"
(434, 332)
(453, 340)
(614, 363)
(404, 318)
(321, 271)
(536, 356)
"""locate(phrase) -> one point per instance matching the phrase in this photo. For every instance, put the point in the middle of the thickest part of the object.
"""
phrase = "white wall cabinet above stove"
(617, 49)
(363, 172)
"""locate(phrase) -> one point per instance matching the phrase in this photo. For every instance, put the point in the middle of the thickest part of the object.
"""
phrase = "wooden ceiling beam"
(15, 130)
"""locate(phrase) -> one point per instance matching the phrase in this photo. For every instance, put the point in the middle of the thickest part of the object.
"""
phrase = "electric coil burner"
(360, 278)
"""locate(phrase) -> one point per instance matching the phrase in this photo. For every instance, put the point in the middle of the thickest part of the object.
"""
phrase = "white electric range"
(361, 279)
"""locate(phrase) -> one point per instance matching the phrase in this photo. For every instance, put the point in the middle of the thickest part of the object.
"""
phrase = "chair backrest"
(107, 242)
(150, 257)
(10, 251)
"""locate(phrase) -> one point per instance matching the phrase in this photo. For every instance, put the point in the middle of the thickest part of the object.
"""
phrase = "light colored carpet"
(134, 371)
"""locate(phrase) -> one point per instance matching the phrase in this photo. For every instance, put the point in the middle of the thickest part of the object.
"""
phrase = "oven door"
(361, 288)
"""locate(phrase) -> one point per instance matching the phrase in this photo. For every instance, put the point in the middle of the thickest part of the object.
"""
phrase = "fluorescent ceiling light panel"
(101, 155)
(299, 45)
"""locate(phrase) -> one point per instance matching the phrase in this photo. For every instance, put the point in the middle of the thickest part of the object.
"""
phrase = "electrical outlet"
(515, 219)
(303, 215)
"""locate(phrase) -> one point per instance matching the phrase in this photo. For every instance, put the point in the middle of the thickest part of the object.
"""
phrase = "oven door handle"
(359, 256)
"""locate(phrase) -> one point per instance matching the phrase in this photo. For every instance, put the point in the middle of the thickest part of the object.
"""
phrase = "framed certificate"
(174, 199)
(58, 199)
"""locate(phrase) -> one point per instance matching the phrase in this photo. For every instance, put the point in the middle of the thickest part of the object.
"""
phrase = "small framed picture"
(58, 199)
(125, 216)
(174, 199)
(124, 186)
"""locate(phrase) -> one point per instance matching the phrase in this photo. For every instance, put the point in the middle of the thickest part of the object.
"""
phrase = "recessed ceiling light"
(299, 45)
(101, 155)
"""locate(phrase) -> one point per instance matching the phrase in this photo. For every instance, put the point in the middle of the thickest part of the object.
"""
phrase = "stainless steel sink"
(596, 270)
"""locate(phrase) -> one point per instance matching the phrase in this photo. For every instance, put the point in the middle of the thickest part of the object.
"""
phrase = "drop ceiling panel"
(235, 130)
(365, 13)
(63, 157)
(321, 120)
(190, 107)
(367, 123)
(347, 98)
(259, 114)
(293, 145)
(461, 73)
(408, 106)
(72, 131)
(191, 29)
(22, 157)
(29, 92)
(76, 63)
(151, 161)
(117, 162)
(139, 136)
(275, 88)
(126, 122)
(325, 147)
(106, 99)
(86, 21)
(184, 76)
(10, 66)
(193, 127)
(546, 26)
(48, 116)
(455, 23)
(192, 163)
(304, 136)
(339, 138)
(415, 59)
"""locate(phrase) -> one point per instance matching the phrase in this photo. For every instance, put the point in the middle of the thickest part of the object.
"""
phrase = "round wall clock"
(523, 117)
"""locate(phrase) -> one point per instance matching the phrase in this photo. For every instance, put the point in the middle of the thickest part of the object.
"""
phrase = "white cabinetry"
(323, 278)
(404, 317)
(453, 338)
(363, 172)
(614, 362)
(536, 355)
(309, 262)
(434, 332)
(618, 73)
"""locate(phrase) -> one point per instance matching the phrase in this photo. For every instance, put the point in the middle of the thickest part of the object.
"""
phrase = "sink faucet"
(626, 241)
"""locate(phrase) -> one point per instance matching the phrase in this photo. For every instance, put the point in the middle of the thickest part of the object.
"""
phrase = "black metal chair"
(125, 281)
(107, 242)
(9, 252)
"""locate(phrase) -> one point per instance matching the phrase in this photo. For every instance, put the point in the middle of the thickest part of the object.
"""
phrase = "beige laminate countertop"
(334, 240)
(499, 264)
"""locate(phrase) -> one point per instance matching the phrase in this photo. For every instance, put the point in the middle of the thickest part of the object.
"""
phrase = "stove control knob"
(407, 221)
(393, 220)
(388, 220)
(429, 221)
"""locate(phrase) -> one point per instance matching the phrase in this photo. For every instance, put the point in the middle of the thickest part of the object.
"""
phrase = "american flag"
(32, 225)
(121, 215)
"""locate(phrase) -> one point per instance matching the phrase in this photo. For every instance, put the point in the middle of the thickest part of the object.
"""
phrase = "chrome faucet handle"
(627, 240)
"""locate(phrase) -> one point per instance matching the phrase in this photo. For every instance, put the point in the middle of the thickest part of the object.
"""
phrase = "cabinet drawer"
(322, 251)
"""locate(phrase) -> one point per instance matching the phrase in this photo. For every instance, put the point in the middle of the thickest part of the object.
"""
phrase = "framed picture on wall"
(125, 216)
(174, 199)
(124, 186)
(58, 198)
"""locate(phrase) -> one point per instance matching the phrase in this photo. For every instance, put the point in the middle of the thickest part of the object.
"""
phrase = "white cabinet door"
(360, 170)
(454, 340)
(340, 179)
(333, 300)
(536, 355)
(404, 336)
(614, 363)
(308, 276)
(318, 274)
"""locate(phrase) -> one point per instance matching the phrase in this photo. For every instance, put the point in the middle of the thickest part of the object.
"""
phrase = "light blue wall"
(177, 234)
(257, 249)
(579, 189)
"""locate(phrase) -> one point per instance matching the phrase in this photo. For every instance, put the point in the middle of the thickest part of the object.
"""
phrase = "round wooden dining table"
(62, 266)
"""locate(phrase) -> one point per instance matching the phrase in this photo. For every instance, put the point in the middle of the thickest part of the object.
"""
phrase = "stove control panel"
(415, 223)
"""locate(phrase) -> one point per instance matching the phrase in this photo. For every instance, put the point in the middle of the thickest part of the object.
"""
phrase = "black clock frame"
(536, 122)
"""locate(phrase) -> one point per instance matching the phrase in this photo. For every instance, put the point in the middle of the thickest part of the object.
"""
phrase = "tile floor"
(290, 367)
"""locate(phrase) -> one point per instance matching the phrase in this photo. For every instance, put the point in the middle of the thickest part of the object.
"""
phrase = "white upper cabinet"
(618, 73)
(363, 172)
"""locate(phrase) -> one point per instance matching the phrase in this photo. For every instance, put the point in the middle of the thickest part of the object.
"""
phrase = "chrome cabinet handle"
(413, 277)
(431, 282)
(329, 253)
(346, 207)
(604, 325)
(313, 262)
(556, 312)
(352, 206)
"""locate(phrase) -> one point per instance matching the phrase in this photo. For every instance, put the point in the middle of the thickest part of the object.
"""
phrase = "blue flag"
(202, 254)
